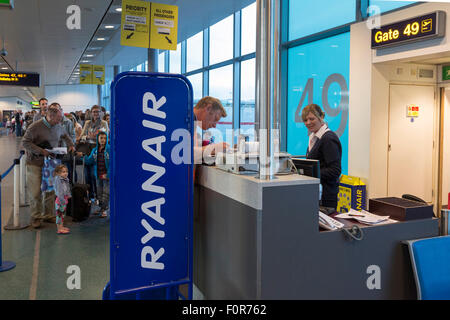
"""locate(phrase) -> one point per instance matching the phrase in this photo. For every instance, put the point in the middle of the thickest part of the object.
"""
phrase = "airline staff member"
(324, 145)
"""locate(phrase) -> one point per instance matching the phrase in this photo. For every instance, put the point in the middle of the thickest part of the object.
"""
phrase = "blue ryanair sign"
(151, 184)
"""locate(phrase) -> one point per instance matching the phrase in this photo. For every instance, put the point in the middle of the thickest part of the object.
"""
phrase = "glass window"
(175, 60)
(139, 67)
(161, 61)
(221, 87)
(385, 5)
(197, 85)
(248, 29)
(318, 73)
(309, 17)
(221, 41)
(194, 52)
(247, 124)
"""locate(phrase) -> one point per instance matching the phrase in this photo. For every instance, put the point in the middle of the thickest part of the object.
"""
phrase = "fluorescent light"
(94, 48)
(100, 39)
(89, 55)
(109, 27)
(119, 9)
(4, 68)
(84, 60)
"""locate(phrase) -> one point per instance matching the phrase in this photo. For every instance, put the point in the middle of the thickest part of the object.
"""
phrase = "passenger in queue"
(324, 145)
(41, 135)
(207, 112)
(89, 134)
(43, 102)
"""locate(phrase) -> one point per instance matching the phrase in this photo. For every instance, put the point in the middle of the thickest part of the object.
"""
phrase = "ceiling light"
(100, 39)
(119, 9)
(109, 27)
(89, 55)
(94, 48)
(5, 68)
(84, 60)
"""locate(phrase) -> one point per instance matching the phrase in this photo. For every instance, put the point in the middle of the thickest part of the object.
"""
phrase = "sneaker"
(35, 223)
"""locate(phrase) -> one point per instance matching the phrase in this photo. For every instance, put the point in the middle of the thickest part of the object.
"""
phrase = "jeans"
(42, 206)
(103, 193)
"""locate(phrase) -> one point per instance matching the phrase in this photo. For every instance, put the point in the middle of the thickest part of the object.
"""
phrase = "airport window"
(221, 41)
(309, 17)
(319, 73)
(221, 87)
(248, 29)
(175, 60)
(161, 61)
(385, 5)
(194, 52)
(247, 101)
(197, 85)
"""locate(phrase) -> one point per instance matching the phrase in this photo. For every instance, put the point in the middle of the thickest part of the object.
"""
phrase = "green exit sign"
(445, 73)
(7, 4)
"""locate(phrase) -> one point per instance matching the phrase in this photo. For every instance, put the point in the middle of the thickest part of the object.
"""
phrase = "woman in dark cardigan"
(324, 145)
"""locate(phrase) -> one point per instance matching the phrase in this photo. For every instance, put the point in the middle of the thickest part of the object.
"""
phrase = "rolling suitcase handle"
(75, 167)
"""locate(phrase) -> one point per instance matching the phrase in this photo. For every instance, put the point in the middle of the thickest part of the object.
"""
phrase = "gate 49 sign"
(151, 183)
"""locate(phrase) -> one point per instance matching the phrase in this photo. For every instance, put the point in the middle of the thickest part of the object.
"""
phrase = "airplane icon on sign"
(427, 25)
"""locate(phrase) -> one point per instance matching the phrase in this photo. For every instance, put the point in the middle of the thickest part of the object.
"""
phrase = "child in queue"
(99, 158)
(62, 192)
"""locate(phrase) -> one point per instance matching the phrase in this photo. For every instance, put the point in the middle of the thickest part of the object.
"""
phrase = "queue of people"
(85, 136)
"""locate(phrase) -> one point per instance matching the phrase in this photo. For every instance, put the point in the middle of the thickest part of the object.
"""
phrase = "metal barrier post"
(23, 201)
(17, 225)
(4, 265)
(444, 222)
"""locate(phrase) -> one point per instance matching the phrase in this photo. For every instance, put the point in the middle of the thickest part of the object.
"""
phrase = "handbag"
(47, 173)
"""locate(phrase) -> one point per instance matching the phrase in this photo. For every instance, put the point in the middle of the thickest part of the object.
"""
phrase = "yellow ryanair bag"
(352, 194)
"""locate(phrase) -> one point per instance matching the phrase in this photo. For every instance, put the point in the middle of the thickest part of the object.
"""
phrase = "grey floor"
(44, 260)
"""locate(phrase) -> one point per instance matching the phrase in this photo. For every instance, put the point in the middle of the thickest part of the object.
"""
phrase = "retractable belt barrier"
(7, 265)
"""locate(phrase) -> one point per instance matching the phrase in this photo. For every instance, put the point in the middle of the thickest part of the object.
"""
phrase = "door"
(410, 156)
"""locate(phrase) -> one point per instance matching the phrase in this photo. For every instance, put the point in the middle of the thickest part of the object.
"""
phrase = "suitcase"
(80, 205)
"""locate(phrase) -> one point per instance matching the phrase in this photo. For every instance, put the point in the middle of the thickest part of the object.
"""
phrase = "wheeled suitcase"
(80, 206)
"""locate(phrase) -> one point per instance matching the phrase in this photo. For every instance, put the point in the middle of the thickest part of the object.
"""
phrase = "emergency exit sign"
(7, 4)
(445, 73)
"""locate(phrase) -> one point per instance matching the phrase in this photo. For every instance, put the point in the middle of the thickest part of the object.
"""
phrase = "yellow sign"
(149, 25)
(85, 73)
(98, 74)
(164, 26)
(413, 111)
(135, 23)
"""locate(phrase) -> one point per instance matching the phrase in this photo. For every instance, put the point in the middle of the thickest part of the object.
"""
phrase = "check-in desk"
(256, 239)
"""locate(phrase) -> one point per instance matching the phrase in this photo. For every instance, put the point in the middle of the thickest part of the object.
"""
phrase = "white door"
(410, 156)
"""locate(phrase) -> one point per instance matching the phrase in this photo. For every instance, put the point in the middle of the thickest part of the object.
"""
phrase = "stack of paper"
(365, 217)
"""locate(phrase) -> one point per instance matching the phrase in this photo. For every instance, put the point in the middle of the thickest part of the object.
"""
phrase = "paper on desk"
(364, 217)
(61, 150)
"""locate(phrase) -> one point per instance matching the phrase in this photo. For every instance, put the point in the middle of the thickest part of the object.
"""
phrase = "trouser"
(90, 180)
(60, 208)
(103, 193)
(42, 205)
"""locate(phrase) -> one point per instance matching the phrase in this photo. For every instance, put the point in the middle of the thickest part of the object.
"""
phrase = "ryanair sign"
(425, 27)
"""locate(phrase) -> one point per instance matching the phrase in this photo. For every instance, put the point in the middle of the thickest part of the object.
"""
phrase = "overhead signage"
(135, 27)
(9, 4)
(92, 74)
(149, 25)
(151, 182)
(24, 79)
(98, 75)
(420, 28)
(85, 73)
(445, 73)
(164, 26)
(412, 111)
(35, 105)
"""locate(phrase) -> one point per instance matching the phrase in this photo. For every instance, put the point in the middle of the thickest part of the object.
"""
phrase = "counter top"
(246, 189)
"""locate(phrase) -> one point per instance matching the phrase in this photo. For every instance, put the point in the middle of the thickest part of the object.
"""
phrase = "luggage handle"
(75, 168)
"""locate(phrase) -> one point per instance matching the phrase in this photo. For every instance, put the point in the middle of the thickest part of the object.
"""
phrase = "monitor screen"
(307, 167)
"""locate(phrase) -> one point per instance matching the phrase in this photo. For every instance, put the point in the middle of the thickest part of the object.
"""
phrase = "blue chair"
(430, 259)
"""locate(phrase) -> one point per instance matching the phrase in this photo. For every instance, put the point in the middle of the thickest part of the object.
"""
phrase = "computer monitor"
(307, 167)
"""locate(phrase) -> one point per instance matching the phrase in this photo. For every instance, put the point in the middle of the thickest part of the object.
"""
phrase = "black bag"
(80, 205)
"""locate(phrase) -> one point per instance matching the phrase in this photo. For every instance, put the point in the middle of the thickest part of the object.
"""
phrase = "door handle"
(389, 147)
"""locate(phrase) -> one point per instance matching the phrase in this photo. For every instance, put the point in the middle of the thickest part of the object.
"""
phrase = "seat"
(430, 259)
